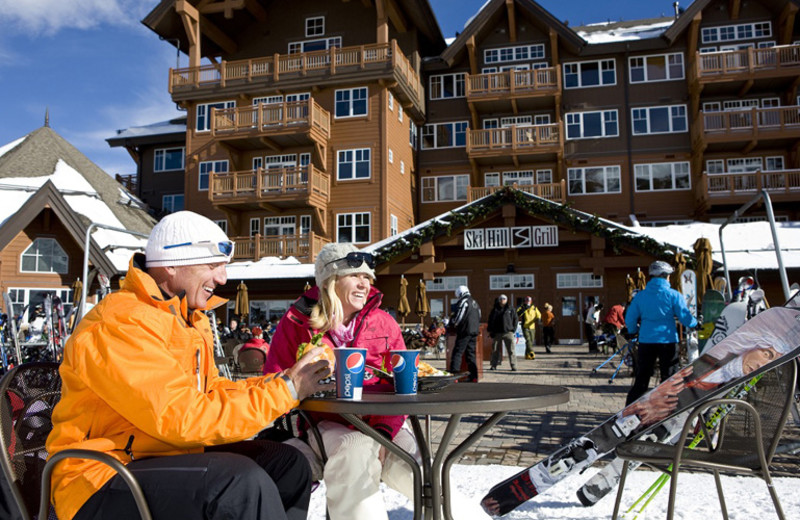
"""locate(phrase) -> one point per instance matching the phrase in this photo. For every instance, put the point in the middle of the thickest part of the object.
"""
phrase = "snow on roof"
(618, 31)
(270, 268)
(82, 199)
(469, 21)
(171, 126)
(10, 146)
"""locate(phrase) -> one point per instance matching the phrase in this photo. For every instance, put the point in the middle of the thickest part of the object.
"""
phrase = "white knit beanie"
(185, 238)
(326, 266)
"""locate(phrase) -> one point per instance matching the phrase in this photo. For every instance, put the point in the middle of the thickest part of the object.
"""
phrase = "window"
(305, 224)
(514, 53)
(500, 282)
(774, 163)
(223, 225)
(172, 203)
(522, 178)
(353, 164)
(491, 179)
(255, 226)
(206, 169)
(391, 101)
(445, 283)
(544, 176)
(584, 125)
(516, 120)
(279, 226)
(578, 280)
(659, 120)
(168, 159)
(391, 156)
(715, 166)
(744, 31)
(393, 225)
(351, 102)
(590, 74)
(447, 86)
(315, 26)
(400, 113)
(659, 67)
(596, 179)
(44, 255)
(662, 176)
(413, 132)
(402, 167)
(445, 188)
(23, 300)
(315, 45)
(744, 164)
(444, 135)
(203, 123)
(353, 227)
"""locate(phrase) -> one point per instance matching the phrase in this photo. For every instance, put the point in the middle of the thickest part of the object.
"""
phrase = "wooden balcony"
(555, 191)
(517, 143)
(281, 188)
(739, 188)
(515, 86)
(302, 71)
(303, 247)
(748, 126)
(748, 64)
(129, 182)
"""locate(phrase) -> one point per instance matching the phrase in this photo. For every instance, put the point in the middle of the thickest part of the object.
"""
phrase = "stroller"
(626, 350)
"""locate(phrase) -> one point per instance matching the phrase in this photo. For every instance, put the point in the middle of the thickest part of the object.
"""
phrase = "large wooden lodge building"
(354, 120)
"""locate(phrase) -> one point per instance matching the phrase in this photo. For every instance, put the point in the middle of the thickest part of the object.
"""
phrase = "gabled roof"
(493, 10)
(48, 196)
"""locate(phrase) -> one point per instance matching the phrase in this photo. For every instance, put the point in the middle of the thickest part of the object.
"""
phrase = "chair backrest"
(772, 398)
(28, 394)
(251, 359)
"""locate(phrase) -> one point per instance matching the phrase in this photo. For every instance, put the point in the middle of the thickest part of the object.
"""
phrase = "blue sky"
(98, 69)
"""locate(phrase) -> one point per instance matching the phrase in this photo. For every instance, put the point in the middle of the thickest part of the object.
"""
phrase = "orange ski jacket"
(139, 380)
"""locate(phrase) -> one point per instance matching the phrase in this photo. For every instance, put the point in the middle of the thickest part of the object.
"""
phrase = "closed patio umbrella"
(641, 280)
(680, 267)
(704, 266)
(403, 308)
(306, 287)
(630, 286)
(422, 300)
(242, 307)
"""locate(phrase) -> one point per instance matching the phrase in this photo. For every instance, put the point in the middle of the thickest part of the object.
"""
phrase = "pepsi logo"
(354, 362)
(398, 363)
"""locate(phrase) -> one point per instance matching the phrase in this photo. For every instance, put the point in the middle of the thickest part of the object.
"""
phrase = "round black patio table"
(432, 483)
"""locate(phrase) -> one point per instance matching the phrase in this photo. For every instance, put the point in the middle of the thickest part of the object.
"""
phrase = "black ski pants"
(668, 363)
(258, 479)
(465, 347)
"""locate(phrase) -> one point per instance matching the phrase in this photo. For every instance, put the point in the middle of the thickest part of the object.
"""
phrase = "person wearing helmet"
(465, 320)
(652, 313)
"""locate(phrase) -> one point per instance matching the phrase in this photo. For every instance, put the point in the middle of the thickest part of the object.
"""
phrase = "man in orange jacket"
(139, 383)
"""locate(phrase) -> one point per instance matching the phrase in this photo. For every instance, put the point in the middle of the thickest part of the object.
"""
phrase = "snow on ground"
(745, 497)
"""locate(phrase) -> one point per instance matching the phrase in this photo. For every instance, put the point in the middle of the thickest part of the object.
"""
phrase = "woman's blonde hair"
(327, 313)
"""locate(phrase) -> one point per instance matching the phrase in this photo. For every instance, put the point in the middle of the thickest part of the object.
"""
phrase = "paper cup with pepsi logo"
(349, 371)
(405, 364)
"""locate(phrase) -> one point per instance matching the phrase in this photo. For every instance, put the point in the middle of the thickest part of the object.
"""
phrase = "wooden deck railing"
(514, 82)
(554, 191)
(276, 117)
(736, 121)
(129, 182)
(271, 69)
(747, 183)
(303, 247)
(514, 139)
(265, 184)
(724, 63)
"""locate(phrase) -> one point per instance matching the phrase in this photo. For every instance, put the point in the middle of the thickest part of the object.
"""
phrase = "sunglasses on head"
(356, 258)
(224, 247)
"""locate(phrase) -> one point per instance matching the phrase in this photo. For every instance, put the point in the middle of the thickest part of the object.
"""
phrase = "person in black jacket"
(465, 321)
(501, 326)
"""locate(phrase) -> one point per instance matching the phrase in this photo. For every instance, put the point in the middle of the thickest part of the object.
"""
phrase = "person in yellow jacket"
(139, 383)
(528, 316)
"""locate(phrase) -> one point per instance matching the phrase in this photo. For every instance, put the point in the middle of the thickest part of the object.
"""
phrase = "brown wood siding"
(401, 195)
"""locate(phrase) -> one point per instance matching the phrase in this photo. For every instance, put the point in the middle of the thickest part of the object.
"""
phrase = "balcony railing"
(750, 122)
(748, 183)
(554, 191)
(515, 139)
(269, 184)
(129, 182)
(546, 81)
(272, 118)
(303, 247)
(272, 69)
(713, 65)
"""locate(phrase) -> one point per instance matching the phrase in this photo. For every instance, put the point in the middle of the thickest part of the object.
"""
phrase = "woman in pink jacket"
(345, 307)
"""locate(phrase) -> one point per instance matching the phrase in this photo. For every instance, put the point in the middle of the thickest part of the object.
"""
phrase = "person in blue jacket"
(652, 313)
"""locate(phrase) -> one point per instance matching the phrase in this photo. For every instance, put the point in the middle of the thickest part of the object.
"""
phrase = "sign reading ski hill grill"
(511, 237)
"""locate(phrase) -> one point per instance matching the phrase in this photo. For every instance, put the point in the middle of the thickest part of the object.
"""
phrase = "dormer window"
(315, 26)
(45, 255)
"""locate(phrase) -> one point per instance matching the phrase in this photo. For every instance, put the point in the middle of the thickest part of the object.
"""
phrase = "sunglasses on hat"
(355, 259)
(224, 247)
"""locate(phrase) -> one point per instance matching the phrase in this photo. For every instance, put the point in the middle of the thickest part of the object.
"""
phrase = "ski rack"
(85, 273)
(771, 216)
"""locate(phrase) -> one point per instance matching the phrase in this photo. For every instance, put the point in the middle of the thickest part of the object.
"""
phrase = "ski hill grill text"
(511, 237)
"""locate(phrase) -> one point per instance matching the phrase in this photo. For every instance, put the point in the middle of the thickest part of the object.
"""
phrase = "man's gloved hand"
(699, 322)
